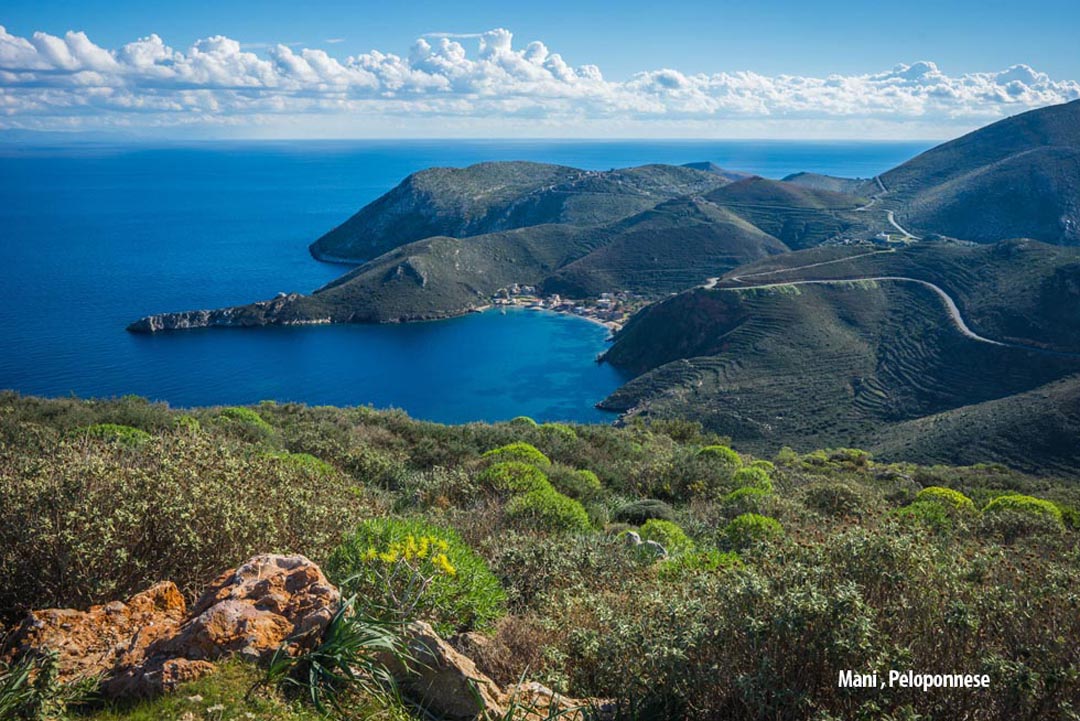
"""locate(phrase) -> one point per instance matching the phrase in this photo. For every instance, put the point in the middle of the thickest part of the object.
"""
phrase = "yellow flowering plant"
(406, 569)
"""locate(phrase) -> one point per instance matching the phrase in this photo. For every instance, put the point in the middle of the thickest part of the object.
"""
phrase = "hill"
(710, 167)
(818, 181)
(1019, 177)
(861, 362)
(491, 197)
(797, 215)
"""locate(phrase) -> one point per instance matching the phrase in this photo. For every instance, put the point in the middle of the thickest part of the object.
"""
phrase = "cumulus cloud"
(49, 81)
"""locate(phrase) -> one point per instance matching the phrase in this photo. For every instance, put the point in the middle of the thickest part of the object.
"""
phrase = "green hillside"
(851, 363)
(1019, 177)
(798, 216)
(491, 197)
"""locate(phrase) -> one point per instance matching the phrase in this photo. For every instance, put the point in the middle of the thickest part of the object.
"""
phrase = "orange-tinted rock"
(151, 644)
(96, 641)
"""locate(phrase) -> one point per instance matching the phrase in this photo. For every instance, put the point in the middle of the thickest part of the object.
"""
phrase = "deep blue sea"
(94, 236)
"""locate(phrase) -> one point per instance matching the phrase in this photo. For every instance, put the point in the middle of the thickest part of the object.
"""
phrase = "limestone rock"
(96, 641)
(443, 681)
(152, 644)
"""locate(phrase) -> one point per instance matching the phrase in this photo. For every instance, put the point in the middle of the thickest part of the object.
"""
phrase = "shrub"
(667, 534)
(1027, 505)
(767, 466)
(833, 498)
(710, 561)
(524, 421)
(1070, 515)
(245, 423)
(116, 433)
(638, 512)
(514, 477)
(931, 515)
(559, 429)
(1009, 525)
(549, 510)
(245, 416)
(305, 462)
(581, 485)
(405, 566)
(720, 455)
(518, 451)
(187, 423)
(946, 496)
(750, 529)
(179, 507)
(751, 477)
(746, 500)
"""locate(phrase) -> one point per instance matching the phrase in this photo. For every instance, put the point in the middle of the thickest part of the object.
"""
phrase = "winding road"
(950, 305)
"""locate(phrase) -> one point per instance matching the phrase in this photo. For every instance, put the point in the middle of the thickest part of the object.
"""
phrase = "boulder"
(96, 641)
(152, 644)
(443, 681)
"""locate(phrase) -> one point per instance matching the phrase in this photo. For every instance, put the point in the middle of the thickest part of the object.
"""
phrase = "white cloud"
(64, 82)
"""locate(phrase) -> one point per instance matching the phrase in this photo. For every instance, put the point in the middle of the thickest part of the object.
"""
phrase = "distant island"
(935, 302)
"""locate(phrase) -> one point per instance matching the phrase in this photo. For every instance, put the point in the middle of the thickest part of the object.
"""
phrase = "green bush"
(179, 507)
(382, 565)
(187, 423)
(834, 498)
(947, 496)
(638, 512)
(750, 529)
(720, 455)
(767, 466)
(679, 567)
(559, 429)
(931, 515)
(548, 510)
(752, 477)
(669, 535)
(1027, 505)
(524, 421)
(116, 433)
(305, 462)
(245, 416)
(582, 485)
(746, 500)
(518, 451)
(514, 477)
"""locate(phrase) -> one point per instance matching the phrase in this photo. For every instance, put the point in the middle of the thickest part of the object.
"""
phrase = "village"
(611, 310)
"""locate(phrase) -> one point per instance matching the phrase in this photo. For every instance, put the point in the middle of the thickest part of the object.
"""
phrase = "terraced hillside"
(799, 216)
(807, 365)
(1019, 177)
(1017, 291)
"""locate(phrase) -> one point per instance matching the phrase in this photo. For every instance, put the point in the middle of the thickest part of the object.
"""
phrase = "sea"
(96, 235)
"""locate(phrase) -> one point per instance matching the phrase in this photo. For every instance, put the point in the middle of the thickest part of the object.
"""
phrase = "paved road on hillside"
(950, 305)
(902, 229)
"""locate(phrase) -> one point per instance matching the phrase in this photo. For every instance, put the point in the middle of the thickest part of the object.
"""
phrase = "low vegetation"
(779, 572)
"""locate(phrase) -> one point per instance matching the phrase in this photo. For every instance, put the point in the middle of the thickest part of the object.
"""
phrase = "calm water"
(92, 237)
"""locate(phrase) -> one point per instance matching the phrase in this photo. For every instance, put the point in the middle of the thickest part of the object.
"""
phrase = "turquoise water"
(92, 237)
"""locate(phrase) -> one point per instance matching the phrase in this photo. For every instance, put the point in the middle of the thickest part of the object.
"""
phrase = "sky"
(574, 69)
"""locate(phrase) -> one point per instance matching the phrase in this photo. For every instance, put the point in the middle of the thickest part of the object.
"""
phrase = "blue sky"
(914, 69)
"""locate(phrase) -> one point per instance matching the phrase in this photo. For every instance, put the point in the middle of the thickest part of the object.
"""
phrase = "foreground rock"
(152, 643)
(449, 685)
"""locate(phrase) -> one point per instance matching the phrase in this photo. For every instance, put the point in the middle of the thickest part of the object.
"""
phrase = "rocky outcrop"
(442, 680)
(152, 643)
(284, 309)
(450, 686)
